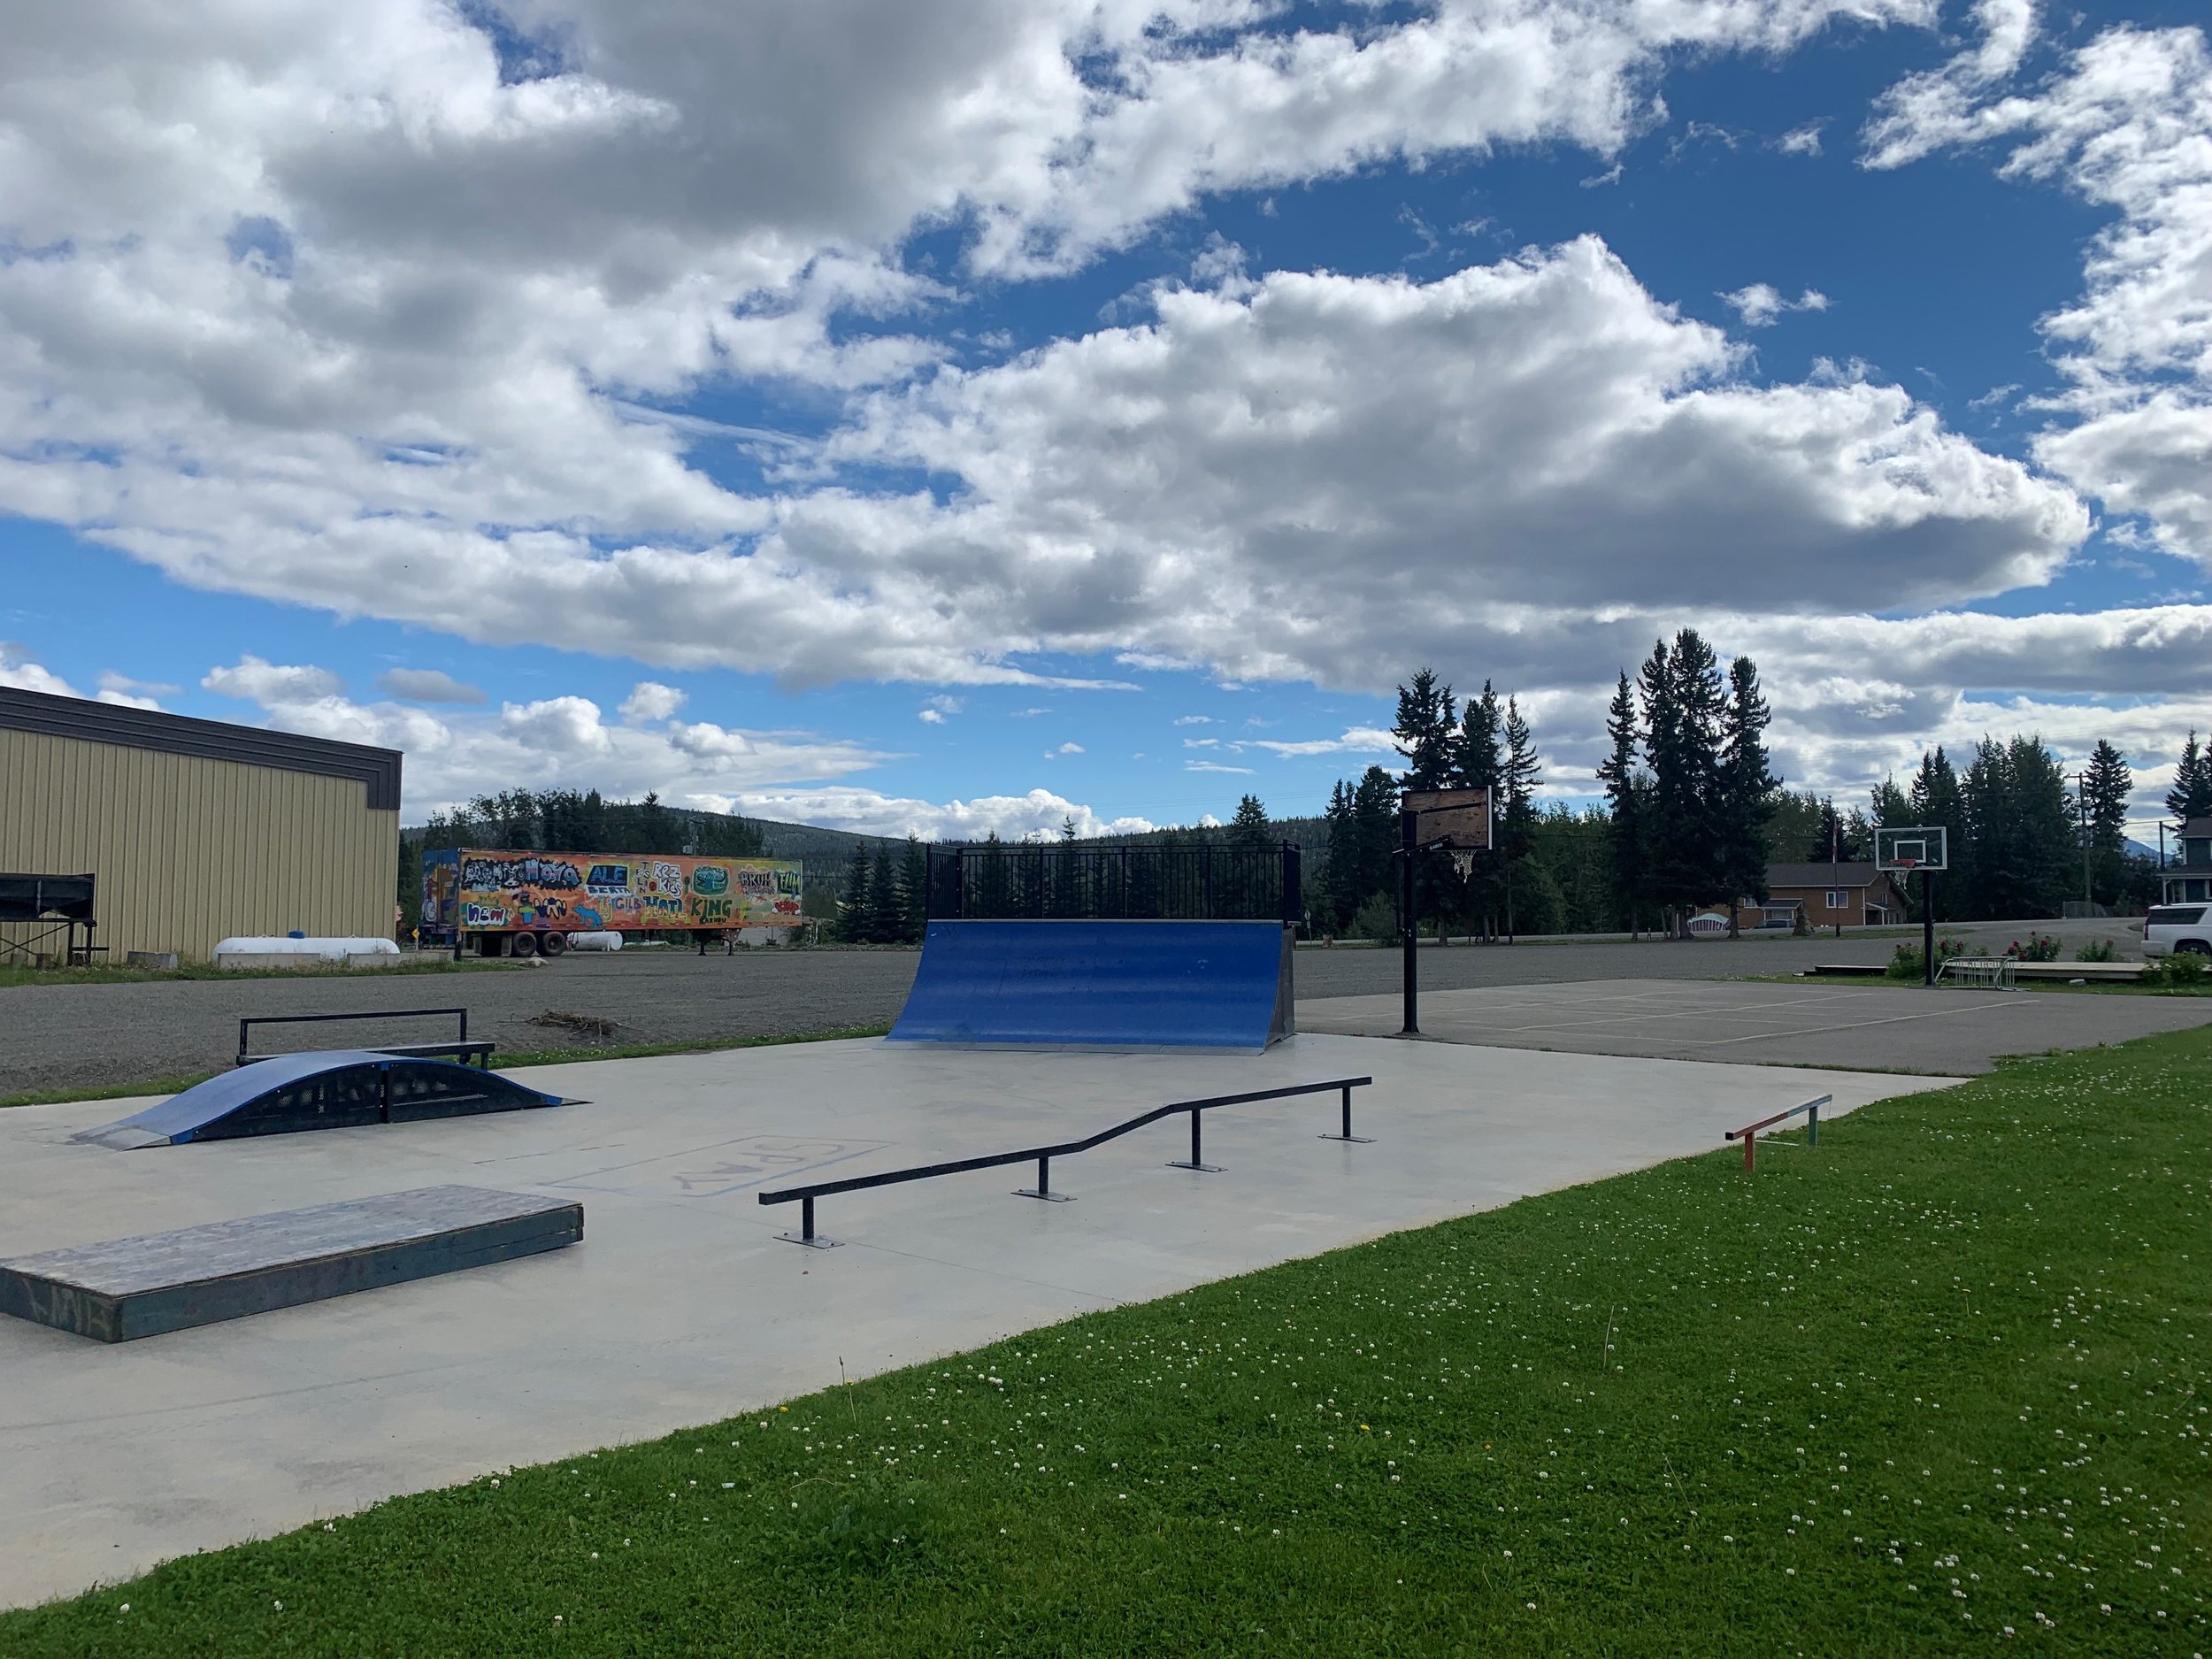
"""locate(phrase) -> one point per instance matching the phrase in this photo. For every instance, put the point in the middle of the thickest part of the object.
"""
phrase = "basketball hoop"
(1463, 860)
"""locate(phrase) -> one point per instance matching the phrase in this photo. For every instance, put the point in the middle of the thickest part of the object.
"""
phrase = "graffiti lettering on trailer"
(557, 875)
(484, 916)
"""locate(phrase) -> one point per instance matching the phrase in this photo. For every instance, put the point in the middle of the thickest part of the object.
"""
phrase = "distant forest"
(1692, 816)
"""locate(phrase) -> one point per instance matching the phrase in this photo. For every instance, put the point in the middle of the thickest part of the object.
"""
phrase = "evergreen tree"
(2191, 793)
(1478, 762)
(1683, 705)
(1375, 813)
(1890, 808)
(1340, 874)
(1476, 752)
(1249, 827)
(1427, 714)
(1747, 786)
(1518, 774)
(853, 915)
(2106, 785)
(2020, 833)
(886, 905)
(1835, 839)
(1934, 799)
(1626, 789)
(914, 891)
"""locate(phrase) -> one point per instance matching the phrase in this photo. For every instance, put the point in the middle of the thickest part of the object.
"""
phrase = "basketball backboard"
(1458, 820)
(1922, 848)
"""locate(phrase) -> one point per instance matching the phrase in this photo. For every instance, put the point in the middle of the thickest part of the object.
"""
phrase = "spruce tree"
(1340, 877)
(887, 906)
(1375, 813)
(1835, 839)
(2106, 785)
(914, 892)
(2191, 793)
(1683, 705)
(1475, 751)
(853, 914)
(1888, 806)
(1250, 826)
(2020, 831)
(1478, 762)
(1745, 793)
(1518, 774)
(1427, 714)
(1624, 792)
(1934, 799)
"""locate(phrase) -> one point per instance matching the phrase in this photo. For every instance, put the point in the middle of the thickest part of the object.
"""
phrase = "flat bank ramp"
(124, 1288)
(1102, 985)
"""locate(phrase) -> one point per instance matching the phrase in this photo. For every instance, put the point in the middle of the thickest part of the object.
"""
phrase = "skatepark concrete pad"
(685, 1309)
(1946, 1031)
(1103, 984)
(336, 1089)
(134, 1288)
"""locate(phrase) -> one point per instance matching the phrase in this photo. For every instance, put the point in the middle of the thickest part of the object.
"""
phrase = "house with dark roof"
(2190, 877)
(1838, 895)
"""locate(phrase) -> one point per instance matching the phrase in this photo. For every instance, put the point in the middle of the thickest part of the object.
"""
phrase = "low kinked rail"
(805, 1196)
(461, 1048)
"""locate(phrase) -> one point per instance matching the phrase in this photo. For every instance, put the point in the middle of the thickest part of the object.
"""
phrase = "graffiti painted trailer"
(523, 904)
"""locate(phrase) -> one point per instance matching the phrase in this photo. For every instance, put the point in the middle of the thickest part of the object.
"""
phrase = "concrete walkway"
(680, 1306)
(1946, 1031)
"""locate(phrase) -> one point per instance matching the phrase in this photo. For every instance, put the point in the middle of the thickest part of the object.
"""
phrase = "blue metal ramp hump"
(340, 1088)
(1102, 985)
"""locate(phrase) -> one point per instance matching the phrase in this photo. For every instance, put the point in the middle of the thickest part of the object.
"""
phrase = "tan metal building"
(196, 830)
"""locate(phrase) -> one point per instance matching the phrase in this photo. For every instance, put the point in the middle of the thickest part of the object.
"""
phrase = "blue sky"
(961, 418)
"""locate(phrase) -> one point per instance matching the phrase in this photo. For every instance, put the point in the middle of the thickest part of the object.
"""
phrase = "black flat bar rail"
(461, 1042)
(805, 1196)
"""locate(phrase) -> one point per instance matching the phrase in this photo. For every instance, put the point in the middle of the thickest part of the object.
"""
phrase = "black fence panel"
(1042, 881)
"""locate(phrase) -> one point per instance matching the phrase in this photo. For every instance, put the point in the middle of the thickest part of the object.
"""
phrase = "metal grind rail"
(461, 1048)
(1043, 1156)
(1749, 1133)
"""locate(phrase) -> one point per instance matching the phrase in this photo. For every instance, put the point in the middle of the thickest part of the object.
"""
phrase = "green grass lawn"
(1937, 1385)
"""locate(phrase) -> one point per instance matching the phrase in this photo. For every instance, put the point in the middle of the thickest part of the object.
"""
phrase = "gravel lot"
(71, 1036)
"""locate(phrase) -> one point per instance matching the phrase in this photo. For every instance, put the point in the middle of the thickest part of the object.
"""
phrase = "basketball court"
(682, 1306)
(1882, 1028)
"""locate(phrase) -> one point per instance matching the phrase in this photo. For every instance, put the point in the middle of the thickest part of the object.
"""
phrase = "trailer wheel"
(522, 945)
(552, 943)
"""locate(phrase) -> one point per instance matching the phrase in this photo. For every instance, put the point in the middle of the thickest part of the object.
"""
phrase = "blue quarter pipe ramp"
(1221, 986)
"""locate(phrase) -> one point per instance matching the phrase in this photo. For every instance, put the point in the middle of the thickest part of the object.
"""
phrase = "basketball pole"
(1406, 835)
